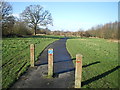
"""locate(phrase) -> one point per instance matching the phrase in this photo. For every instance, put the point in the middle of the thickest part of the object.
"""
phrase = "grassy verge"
(100, 61)
(16, 56)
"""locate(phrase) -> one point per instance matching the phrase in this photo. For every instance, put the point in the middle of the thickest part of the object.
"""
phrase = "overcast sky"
(74, 15)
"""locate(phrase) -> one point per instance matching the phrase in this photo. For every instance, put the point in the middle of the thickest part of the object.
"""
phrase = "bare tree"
(5, 9)
(6, 17)
(34, 15)
(107, 31)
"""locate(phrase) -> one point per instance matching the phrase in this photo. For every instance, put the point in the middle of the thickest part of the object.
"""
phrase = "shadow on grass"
(91, 64)
(48, 36)
(53, 36)
(43, 36)
(73, 69)
(99, 76)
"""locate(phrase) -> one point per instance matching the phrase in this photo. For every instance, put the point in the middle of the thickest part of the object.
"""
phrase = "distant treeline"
(107, 31)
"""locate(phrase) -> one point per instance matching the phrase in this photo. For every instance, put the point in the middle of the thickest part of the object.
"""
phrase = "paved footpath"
(63, 70)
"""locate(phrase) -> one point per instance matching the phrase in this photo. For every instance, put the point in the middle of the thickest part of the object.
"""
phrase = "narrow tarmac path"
(63, 70)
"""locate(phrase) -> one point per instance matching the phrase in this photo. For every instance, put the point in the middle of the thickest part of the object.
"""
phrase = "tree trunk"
(35, 29)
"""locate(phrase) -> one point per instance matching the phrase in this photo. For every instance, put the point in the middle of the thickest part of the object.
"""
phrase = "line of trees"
(107, 31)
(79, 33)
(30, 19)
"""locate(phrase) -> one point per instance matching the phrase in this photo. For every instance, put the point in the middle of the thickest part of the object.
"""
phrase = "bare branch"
(34, 14)
(6, 9)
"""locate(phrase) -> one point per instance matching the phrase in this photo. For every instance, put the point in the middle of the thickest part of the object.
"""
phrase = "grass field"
(16, 55)
(100, 61)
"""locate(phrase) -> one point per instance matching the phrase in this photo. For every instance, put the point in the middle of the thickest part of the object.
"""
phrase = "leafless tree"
(5, 9)
(6, 18)
(107, 31)
(34, 15)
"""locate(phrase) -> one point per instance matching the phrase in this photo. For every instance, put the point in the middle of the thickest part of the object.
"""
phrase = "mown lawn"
(100, 61)
(16, 56)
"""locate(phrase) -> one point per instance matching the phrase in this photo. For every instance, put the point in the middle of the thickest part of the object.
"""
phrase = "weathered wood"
(50, 62)
(32, 55)
(78, 71)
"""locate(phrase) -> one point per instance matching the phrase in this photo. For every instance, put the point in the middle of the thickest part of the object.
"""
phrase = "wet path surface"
(63, 70)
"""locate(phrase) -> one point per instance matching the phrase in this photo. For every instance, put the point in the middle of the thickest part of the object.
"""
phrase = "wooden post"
(50, 62)
(32, 55)
(78, 71)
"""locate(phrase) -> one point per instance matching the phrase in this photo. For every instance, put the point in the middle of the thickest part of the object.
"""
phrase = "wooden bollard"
(32, 55)
(50, 62)
(78, 71)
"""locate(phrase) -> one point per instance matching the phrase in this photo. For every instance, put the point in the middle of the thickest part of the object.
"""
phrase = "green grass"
(16, 55)
(100, 61)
